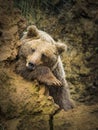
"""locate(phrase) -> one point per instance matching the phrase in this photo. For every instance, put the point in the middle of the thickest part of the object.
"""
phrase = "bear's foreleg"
(61, 95)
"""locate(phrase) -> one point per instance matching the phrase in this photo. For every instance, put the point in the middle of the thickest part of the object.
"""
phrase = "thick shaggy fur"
(42, 73)
(39, 48)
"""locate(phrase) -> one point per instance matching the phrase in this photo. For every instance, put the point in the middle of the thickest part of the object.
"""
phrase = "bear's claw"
(57, 83)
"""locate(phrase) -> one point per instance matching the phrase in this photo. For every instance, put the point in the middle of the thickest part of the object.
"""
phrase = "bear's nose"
(31, 66)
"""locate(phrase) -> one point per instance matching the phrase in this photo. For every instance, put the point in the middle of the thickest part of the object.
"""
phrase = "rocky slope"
(26, 105)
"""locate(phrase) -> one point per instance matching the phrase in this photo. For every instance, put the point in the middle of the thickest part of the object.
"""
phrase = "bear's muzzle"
(31, 66)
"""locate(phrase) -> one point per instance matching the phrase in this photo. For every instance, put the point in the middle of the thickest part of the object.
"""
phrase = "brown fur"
(39, 58)
(42, 73)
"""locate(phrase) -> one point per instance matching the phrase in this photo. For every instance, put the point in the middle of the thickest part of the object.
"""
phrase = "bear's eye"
(33, 50)
(43, 56)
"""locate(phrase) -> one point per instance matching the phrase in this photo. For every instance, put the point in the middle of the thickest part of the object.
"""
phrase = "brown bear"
(39, 58)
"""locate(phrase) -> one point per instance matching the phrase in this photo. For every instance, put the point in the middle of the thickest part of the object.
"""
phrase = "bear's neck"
(59, 72)
(56, 64)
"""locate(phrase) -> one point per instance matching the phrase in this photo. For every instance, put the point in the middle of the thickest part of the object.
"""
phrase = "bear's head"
(40, 52)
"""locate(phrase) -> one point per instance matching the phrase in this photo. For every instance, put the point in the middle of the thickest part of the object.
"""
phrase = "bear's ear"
(61, 47)
(32, 31)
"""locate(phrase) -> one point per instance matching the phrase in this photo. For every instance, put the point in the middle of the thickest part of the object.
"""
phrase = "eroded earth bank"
(26, 105)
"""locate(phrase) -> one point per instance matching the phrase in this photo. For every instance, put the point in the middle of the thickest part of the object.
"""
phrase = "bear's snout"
(31, 66)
